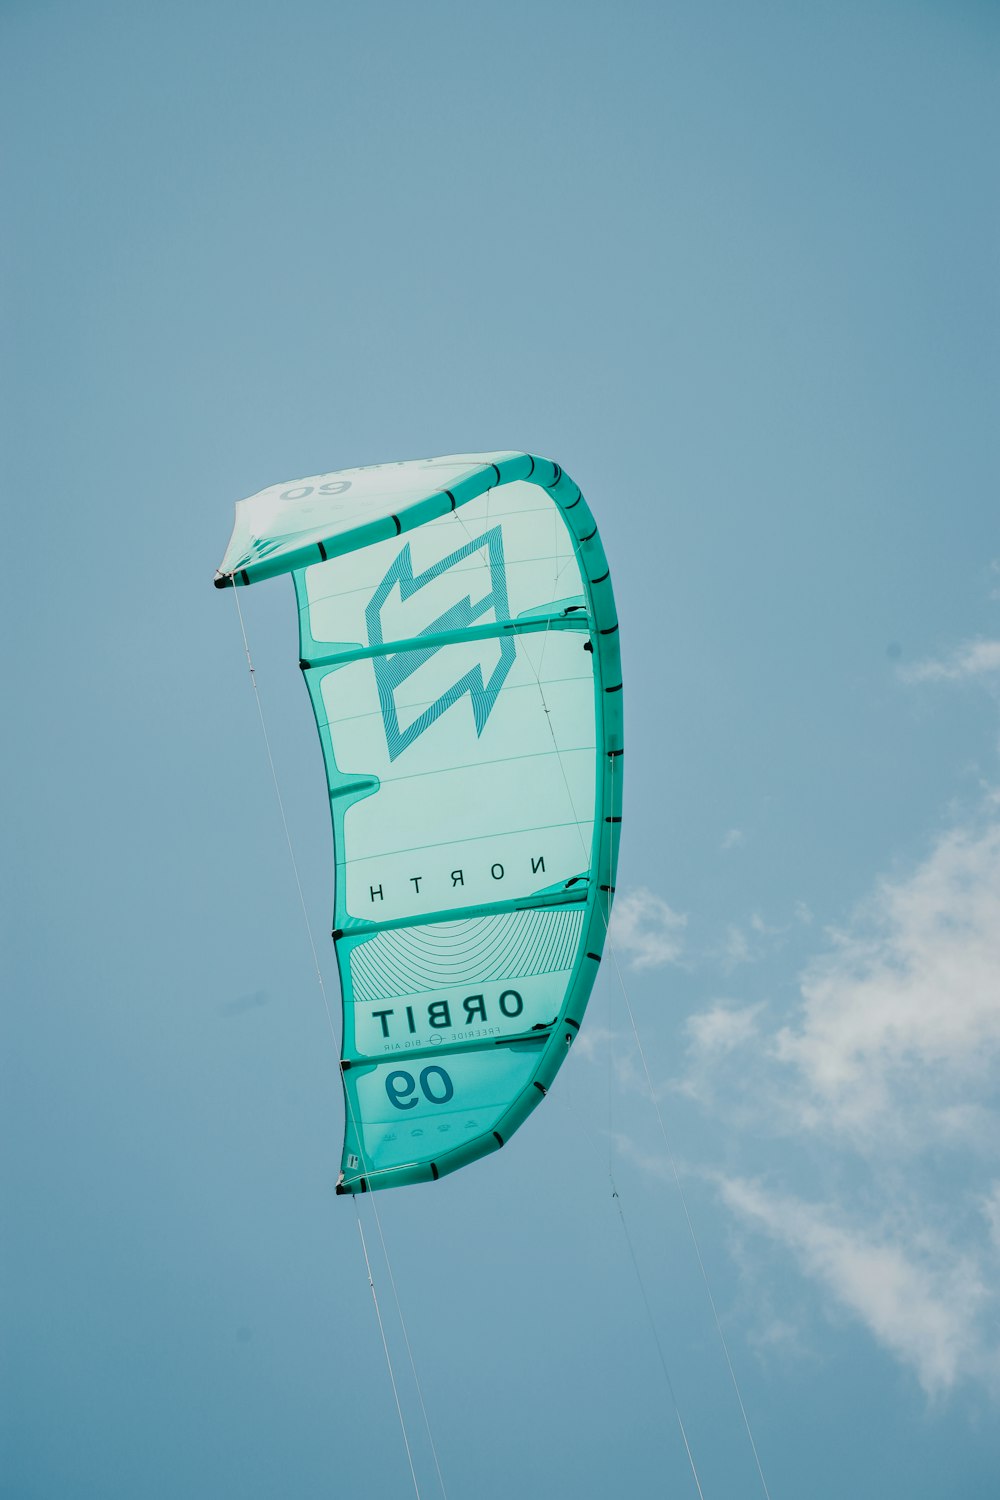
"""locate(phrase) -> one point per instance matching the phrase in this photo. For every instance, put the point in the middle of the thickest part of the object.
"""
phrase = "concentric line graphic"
(508, 945)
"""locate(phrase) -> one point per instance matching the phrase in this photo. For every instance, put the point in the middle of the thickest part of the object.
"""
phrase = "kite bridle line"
(605, 913)
(336, 1043)
(578, 539)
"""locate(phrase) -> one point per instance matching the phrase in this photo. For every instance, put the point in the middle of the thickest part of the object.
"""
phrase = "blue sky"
(734, 267)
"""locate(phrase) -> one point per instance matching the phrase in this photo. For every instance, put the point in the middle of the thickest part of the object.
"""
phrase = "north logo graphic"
(391, 671)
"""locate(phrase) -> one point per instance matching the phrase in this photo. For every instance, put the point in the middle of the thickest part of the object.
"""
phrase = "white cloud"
(972, 659)
(594, 1040)
(657, 1165)
(597, 1043)
(646, 930)
(887, 1067)
(737, 947)
(783, 1336)
(903, 1014)
(893, 1054)
(967, 1124)
(922, 1302)
(733, 838)
(749, 944)
(991, 1213)
(723, 1028)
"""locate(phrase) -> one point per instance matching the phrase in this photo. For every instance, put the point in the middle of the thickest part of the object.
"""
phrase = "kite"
(459, 642)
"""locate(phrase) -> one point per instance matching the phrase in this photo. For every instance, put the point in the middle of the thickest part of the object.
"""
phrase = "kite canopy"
(459, 641)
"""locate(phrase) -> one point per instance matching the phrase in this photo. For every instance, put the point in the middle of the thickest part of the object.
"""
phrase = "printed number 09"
(401, 1087)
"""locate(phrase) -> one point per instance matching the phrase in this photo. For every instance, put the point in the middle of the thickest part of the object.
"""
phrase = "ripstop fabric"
(459, 643)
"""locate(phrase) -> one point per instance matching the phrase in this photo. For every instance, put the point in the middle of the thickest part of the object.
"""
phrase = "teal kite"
(459, 641)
